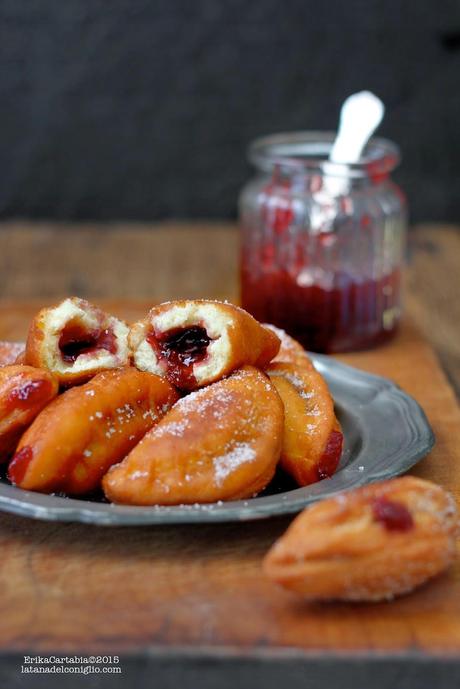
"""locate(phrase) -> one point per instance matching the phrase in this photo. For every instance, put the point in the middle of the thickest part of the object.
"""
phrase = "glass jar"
(323, 243)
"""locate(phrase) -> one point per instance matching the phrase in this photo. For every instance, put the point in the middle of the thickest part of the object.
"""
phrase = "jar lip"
(308, 152)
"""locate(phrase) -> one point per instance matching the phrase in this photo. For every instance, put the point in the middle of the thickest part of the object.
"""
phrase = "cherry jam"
(181, 348)
(321, 253)
(29, 393)
(346, 315)
(19, 464)
(330, 458)
(393, 515)
(75, 341)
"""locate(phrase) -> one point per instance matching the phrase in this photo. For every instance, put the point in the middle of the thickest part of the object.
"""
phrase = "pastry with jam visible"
(80, 434)
(11, 352)
(197, 342)
(24, 392)
(218, 443)
(369, 544)
(313, 439)
(75, 340)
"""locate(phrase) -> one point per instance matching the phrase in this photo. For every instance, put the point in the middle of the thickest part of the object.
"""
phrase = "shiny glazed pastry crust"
(24, 392)
(218, 443)
(77, 437)
(369, 544)
(312, 441)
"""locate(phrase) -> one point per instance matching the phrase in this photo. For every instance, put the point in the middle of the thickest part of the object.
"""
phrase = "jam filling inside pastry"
(181, 349)
(194, 343)
(75, 340)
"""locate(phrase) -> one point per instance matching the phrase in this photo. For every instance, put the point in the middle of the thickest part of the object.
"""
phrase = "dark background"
(143, 109)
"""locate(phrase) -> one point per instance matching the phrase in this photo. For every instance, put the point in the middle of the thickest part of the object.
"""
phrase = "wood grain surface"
(71, 586)
(75, 587)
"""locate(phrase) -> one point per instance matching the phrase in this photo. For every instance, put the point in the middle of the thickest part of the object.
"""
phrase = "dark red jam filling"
(393, 515)
(19, 464)
(75, 341)
(331, 456)
(29, 393)
(181, 348)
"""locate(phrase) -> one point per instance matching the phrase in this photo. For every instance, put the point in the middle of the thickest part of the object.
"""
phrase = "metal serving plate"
(386, 432)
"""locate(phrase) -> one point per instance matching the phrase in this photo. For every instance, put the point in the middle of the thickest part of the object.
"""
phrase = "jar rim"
(308, 152)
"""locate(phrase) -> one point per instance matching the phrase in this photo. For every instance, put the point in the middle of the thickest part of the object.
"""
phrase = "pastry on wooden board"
(368, 544)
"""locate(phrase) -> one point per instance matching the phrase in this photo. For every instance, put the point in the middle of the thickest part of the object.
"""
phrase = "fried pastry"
(312, 442)
(75, 340)
(194, 343)
(10, 352)
(369, 544)
(290, 351)
(218, 443)
(24, 392)
(77, 437)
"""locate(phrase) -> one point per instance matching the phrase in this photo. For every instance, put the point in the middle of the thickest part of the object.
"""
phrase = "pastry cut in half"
(218, 443)
(75, 340)
(81, 433)
(312, 442)
(369, 544)
(194, 343)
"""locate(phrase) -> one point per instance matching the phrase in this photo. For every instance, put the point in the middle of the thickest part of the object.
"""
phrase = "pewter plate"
(386, 432)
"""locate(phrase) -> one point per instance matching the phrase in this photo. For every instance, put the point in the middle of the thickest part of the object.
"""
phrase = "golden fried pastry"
(290, 351)
(24, 392)
(218, 443)
(198, 342)
(312, 443)
(10, 352)
(77, 437)
(75, 340)
(369, 544)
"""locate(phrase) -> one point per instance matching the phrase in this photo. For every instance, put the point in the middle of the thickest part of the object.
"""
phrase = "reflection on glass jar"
(323, 243)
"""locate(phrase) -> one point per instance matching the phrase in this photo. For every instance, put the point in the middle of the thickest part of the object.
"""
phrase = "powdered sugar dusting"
(286, 341)
(174, 428)
(224, 465)
(200, 400)
(297, 382)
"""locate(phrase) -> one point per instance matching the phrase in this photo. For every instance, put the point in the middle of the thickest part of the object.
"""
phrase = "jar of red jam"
(323, 243)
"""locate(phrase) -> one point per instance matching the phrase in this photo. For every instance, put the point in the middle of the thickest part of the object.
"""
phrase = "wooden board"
(74, 587)
(188, 606)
